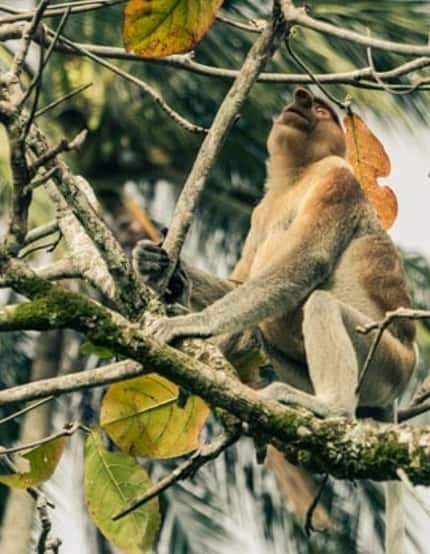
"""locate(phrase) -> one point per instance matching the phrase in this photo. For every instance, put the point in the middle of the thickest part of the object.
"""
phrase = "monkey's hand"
(151, 261)
(167, 329)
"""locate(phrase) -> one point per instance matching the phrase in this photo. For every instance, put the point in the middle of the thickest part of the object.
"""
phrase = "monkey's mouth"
(295, 111)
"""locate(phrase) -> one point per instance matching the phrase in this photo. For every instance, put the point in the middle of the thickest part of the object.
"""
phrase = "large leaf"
(142, 417)
(43, 460)
(154, 28)
(369, 159)
(111, 481)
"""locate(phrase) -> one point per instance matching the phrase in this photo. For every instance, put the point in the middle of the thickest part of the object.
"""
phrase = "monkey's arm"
(303, 258)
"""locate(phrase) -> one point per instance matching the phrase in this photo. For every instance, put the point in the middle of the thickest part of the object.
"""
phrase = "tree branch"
(344, 449)
(298, 16)
(225, 117)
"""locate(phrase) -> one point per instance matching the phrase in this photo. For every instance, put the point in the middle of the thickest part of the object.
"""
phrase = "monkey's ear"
(370, 161)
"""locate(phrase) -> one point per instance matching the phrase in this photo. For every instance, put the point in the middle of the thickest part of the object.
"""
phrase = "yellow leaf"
(111, 481)
(369, 159)
(154, 28)
(142, 417)
(43, 462)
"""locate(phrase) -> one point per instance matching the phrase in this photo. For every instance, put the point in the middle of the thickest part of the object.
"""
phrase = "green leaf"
(100, 351)
(111, 481)
(142, 417)
(154, 28)
(43, 462)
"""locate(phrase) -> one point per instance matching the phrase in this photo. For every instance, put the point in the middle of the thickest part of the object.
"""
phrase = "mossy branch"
(344, 449)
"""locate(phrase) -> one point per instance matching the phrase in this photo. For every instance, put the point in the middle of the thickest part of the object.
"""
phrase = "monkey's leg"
(336, 352)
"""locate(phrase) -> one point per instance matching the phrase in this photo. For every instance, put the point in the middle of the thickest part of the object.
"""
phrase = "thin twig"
(29, 30)
(63, 146)
(308, 526)
(45, 522)
(59, 101)
(141, 84)
(37, 83)
(41, 232)
(66, 432)
(300, 63)
(386, 87)
(49, 247)
(35, 183)
(252, 26)
(58, 9)
(188, 468)
(30, 408)
(413, 411)
(44, 61)
(400, 313)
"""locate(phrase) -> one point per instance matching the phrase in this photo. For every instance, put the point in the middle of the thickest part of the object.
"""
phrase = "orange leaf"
(369, 160)
(154, 28)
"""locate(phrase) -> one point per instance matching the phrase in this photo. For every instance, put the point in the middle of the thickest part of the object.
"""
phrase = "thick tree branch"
(344, 449)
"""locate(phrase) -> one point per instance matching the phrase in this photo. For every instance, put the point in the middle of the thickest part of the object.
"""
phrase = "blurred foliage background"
(131, 141)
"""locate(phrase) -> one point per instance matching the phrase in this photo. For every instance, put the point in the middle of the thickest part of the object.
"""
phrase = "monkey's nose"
(303, 97)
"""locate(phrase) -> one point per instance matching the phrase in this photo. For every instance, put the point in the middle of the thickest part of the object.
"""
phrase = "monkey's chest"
(271, 240)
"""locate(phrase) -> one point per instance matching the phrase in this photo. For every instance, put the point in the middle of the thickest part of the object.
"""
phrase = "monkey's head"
(307, 130)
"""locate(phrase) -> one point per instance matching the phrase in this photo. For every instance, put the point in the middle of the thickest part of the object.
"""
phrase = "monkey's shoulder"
(333, 182)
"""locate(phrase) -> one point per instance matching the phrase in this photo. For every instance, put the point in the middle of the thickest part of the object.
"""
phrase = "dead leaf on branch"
(370, 161)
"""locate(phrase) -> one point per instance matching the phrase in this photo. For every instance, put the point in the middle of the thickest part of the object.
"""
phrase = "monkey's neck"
(282, 173)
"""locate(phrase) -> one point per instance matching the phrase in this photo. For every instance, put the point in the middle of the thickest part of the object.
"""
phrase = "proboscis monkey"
(316, 264)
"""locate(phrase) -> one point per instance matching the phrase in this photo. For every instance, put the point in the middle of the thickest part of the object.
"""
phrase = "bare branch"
(64, 98)
(361, 78)
(186, 205)
(298, 16)
(25, 410)
(188, 468)
(65, 384)
(41, 232)
(29, 30)
(59, 9)
(400, 313)
(63, 269)
(68, 431)
(63, 146)
(179, 119)
(253, 26)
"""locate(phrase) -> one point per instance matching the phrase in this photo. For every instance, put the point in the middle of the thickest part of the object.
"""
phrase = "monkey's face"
(306, 131)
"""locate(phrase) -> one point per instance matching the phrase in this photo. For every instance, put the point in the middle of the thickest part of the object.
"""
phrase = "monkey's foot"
(286, 394)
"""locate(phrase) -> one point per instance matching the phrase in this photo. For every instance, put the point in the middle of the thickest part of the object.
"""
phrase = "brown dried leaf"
(370, 161)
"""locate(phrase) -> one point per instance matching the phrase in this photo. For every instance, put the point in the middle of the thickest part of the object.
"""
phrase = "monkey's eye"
(321, 111)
